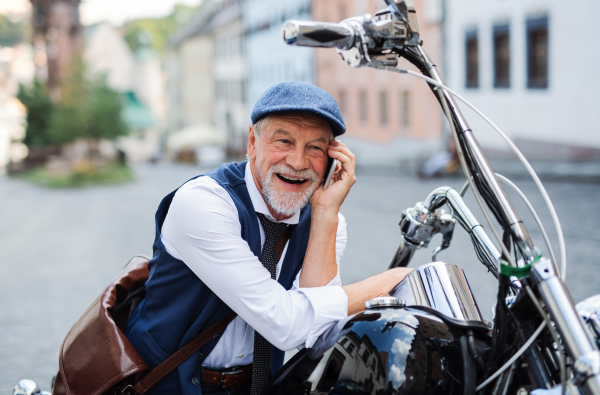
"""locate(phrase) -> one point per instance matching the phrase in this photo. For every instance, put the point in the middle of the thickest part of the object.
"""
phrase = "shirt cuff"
(330, 304)
(336, 281)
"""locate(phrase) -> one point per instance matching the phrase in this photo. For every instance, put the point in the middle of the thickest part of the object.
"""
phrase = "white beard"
(288, 203)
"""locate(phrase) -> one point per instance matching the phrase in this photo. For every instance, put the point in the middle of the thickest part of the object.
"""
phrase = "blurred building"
(138, 77)
(526, 64)
(269, 59)
(231, 51)
(189, 63)
(389, 117)
(57, 36)
(231, 114)
(16, 68)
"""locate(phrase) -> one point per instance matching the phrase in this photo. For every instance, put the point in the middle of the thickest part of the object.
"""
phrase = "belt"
(227, 379)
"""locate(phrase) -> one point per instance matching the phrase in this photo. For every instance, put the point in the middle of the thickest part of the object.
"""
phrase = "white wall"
(107, 52)
(232, 116)
(564, 113)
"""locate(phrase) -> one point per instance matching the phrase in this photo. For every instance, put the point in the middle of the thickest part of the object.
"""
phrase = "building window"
(405, 109)
(343, 103)
(537, 53)
(383, 108)
(350, 348)
(501, 43)
(472, 59)
(362, 104)
(365, 356)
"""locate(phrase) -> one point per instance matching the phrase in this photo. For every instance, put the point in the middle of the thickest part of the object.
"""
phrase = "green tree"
(40, 110)
(160, 29)
(103, 111)
(69, 121)
(88, 109)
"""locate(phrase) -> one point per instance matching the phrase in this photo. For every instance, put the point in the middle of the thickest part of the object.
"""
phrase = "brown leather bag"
(96, 357)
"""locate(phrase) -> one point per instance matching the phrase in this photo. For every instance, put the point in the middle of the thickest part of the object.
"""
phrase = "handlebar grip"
(318, 34)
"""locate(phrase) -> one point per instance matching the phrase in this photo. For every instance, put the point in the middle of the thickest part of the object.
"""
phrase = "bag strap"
(169, 364)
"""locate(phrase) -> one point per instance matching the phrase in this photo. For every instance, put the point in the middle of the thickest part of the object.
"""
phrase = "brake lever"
(445, 224)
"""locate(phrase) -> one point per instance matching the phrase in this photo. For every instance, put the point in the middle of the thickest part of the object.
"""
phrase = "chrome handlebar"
(318, 34)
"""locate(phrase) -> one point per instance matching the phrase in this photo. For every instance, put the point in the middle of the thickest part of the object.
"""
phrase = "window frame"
(470, 81)
(363, 102)
(500, 32)
(383, 108)
(532, 26)
(405, 108)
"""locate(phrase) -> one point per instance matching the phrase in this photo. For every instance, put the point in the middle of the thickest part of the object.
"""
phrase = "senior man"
(244, 237)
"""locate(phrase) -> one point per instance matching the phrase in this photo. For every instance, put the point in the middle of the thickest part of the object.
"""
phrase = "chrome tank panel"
(380, 351)
(442, 287)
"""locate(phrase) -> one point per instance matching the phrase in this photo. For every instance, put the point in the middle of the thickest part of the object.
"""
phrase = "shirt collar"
(259, 203)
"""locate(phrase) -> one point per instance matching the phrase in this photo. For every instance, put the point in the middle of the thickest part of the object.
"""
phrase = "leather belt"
(227, 379)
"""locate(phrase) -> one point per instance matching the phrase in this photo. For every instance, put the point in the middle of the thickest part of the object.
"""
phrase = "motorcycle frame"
(378, 43)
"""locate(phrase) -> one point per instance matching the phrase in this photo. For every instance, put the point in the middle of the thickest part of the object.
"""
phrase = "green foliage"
(88, 109)
(39, 113)
(11, 32)
(69, 122)
(159, 30)
(82, 175)
(104, 112)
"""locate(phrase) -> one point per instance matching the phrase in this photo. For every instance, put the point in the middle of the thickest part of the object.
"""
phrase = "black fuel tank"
(381, 351)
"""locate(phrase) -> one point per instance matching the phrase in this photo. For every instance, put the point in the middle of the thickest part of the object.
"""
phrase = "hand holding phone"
(330, 171)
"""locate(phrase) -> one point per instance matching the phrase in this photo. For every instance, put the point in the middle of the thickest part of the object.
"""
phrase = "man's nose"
(297, 159)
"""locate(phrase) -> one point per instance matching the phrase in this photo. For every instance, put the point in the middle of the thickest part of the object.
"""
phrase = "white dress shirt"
(202, 229)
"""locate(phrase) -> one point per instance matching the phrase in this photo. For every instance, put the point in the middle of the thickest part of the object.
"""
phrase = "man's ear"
(251, 143)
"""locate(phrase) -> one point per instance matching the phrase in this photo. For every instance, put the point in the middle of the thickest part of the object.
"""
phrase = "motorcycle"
(429, 336)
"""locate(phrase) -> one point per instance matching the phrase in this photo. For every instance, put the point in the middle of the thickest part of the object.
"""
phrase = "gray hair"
(259, 125)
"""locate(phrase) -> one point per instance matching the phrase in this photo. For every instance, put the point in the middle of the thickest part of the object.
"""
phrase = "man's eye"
(284, 141)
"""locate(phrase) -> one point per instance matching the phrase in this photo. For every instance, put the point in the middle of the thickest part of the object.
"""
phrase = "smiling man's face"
(288, 160)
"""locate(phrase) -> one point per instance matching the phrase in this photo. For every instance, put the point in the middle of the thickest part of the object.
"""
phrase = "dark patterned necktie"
(261, 364)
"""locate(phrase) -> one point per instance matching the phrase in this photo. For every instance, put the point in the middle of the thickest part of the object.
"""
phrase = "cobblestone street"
(60, 248)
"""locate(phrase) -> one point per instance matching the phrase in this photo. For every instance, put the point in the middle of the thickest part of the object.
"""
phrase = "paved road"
(59, 248)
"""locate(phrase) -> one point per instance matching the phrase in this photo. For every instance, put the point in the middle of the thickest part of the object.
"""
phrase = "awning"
(195, 135)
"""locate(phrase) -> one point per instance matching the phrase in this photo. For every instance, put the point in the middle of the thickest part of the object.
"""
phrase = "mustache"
(282, 168)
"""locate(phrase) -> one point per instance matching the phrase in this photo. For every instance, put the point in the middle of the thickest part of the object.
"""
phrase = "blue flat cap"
(294, 96)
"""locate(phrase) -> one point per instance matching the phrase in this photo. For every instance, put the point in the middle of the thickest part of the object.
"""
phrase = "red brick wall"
(336, 77)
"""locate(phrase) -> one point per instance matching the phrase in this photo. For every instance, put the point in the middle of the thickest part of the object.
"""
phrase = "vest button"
(215, 337)
(200, 356)
(195, 381)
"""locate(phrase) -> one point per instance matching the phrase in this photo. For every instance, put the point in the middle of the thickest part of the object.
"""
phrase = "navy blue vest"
(178, 305)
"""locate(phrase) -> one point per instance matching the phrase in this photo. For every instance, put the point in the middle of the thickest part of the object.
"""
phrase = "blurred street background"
(108, 105)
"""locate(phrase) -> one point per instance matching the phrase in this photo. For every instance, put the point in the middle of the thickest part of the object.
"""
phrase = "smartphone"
(330, 171)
